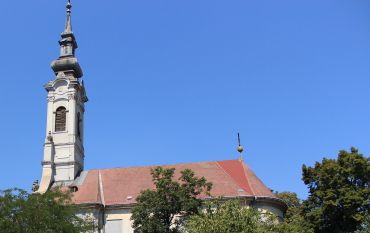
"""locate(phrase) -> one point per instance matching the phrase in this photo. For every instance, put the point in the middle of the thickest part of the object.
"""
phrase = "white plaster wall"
(121, 214)
(125, 215)
(68, 155)
(270, 209)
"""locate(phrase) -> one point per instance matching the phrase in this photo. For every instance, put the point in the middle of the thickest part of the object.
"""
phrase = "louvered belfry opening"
(60, 119)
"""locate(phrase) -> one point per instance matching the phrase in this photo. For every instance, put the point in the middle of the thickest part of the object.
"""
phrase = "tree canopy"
(21, 212)
(232, 217)
(158, 210)
(293, 219)
(339, 193)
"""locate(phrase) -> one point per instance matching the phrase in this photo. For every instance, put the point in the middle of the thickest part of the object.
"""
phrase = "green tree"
(293, 219)
(21, 212)
(157, 210)
(339, 189)
(231, 217)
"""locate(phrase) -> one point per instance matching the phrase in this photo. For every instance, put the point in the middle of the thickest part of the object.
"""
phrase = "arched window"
(60, 119)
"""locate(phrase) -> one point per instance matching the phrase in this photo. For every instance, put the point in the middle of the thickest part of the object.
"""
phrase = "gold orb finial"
(240, 149)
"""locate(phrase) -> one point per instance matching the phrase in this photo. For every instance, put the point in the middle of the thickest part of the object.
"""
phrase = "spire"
(68, 28)
(240, 149)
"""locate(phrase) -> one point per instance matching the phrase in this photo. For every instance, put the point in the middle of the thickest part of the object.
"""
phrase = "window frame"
(64, 129)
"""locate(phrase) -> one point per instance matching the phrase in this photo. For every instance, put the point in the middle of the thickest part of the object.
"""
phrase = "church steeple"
(68, 46)
(63, 148)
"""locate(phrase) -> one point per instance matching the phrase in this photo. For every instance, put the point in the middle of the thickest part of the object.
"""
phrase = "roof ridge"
(233, 178)
(174, 164)
(247, 177)
(100, 188)
(257, 179)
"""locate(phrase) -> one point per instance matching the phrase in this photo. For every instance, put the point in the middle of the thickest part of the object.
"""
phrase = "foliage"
(156, 210)
(293, 219)
(339, 189)
(231, 217)
(365, 227)
(21, 212)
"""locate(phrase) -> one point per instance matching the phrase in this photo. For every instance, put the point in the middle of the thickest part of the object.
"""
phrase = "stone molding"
(51, 98)
(67, 163)
(72, 97)
(47, 163)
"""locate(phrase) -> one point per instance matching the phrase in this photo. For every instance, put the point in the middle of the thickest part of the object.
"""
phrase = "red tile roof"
(121, 186)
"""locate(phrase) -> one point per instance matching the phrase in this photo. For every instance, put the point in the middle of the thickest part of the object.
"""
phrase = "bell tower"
(63, 148)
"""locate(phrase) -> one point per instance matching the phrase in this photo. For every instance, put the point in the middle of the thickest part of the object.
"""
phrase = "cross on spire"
(68, 28)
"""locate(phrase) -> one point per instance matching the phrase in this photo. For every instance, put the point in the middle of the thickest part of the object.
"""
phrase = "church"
(109, 194)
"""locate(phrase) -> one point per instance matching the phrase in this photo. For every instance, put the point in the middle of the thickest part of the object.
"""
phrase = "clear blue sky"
(174, 81)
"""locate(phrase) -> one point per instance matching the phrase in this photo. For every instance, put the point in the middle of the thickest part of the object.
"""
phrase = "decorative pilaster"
(47, 165)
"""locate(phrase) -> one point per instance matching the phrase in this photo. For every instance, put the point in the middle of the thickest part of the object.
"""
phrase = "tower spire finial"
(67, 62)
(68, 28)
(240, 149)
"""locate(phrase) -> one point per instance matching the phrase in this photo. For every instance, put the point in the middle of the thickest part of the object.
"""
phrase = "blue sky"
(174, 81)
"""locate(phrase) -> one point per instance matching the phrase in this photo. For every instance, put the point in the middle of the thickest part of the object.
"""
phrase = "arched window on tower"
(60, 119)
